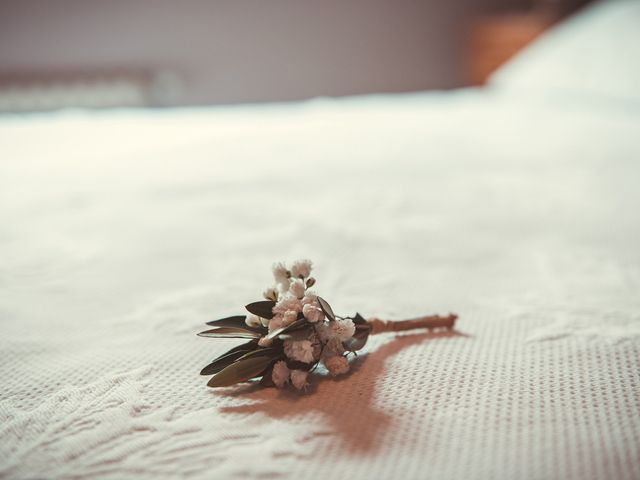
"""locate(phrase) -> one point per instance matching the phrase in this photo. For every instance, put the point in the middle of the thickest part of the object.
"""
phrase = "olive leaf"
(360, 336)
(228, 358)
(269, 351)
(267, 378)
(248, 350)
(230, 332)
(262, 309)
(240, 371)
(297, 325)
(358, 319)
(326, 308)
(237, 321)
(247, 347)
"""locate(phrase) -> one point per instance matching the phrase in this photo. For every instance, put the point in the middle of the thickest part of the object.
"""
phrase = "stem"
(430, 322)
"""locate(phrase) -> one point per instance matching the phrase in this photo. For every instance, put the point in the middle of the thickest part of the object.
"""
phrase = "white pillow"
(595, 53)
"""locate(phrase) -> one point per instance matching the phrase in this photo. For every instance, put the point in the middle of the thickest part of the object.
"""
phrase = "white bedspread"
(122, 233)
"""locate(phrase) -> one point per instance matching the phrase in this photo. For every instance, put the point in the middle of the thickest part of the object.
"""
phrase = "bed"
(515, 206)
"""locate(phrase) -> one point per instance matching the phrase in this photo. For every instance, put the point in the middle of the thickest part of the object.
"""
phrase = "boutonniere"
(292, 331)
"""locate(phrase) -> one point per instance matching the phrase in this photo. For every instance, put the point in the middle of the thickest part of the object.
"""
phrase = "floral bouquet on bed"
(292, 331)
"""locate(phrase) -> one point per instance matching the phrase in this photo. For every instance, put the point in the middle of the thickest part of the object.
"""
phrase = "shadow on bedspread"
(347, 404)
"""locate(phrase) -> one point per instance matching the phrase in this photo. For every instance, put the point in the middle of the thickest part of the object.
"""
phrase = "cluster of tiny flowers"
(324, 342)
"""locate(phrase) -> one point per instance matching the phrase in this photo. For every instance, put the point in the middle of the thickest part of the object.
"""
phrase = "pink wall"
(237, 50)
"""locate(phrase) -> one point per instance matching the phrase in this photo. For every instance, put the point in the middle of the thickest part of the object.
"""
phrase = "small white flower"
(280, 271)
(337, 365)
(283, 288)
(343, 329)
(300, 350)
(333, 347)
(310, 298)
(280, 374)
(265, 342)
(281, 275)
(310, 336)
(271, 293)
(253, 320)
(289, 317)
(297, 288)
(275, 323)
(317, 346)
(301, 268)
(288, 302)
(312, 313)
(299, 379)
(324, 331)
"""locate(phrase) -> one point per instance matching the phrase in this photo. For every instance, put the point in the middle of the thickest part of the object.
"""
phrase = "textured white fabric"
(122, 233)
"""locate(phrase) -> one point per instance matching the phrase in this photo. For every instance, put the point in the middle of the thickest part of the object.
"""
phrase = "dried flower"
(289, 317)
(299, 379)
(337, 365)
(301, 268)
(281, 274)
(310, 298)
(300, 350)
(271, 293)
(333, 347)
(280, 374)
(275, 323)
(297, 288)
(317, 345)
(343, 328)
(288, 302)
(253, 321)
(324, 331)
(312, 313)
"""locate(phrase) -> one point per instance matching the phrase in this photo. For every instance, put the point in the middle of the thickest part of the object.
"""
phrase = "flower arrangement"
(293, 330)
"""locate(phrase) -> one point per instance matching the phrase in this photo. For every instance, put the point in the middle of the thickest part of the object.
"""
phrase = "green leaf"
(357, 342)
(358, 319)
(220, 363)
(269, 351)
(297, 325)
(230, 332)
(361, 335)
(240, 371)
(267, 379)
(247, 347)
(326, 308)
(229, 357)
(262, 309)
(237, 321)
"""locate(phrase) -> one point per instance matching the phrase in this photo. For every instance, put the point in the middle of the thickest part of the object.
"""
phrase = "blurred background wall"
(162, 52)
